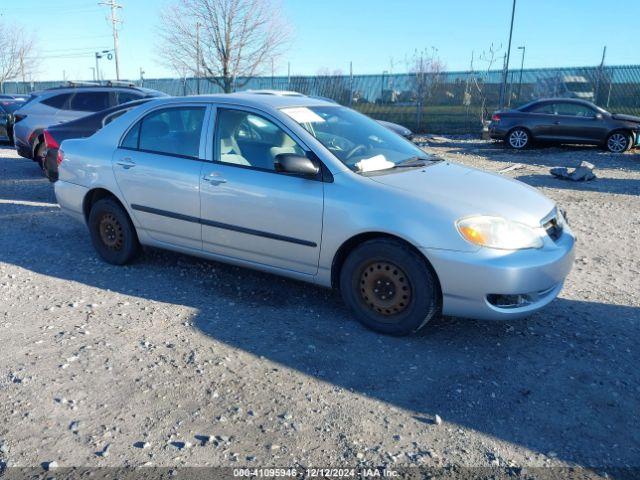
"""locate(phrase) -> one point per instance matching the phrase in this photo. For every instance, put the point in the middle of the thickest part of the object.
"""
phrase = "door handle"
(126, 163)
(557, 122)
(214, 179)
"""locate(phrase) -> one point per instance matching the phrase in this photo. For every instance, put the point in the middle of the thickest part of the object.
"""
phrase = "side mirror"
(599, 116)
(296, 165)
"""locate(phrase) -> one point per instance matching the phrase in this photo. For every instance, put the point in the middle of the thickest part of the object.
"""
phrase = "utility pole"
(503, 89)
(142, 72)
(523, 48)
(198, 57)
(114, 26)
(288, 75)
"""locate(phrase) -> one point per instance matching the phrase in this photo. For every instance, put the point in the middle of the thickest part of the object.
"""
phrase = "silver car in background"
(64, 104)
(315, 191)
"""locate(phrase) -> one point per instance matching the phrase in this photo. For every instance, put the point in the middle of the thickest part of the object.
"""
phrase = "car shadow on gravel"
(544, 383)
(626, 186)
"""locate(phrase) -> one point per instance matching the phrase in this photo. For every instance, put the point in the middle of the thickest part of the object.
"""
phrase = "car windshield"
(359, 142)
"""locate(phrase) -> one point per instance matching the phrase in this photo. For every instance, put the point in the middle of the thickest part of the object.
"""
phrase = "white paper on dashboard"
(303, 115)
(377, 162)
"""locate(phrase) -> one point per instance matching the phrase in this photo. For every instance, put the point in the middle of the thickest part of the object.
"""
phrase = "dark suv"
(63, 104)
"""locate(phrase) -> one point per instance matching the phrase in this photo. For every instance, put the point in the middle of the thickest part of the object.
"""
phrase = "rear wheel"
(619, 142)
(112, 233)
(39, 154)
(389, 287)
(518, 138)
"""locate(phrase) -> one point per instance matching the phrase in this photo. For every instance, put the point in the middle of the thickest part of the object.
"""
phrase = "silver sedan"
(315, 191)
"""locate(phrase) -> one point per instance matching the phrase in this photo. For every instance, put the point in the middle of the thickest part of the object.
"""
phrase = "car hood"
(626, 118)
(465, 191)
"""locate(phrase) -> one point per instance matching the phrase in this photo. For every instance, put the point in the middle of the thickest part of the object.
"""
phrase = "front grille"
(553, 225)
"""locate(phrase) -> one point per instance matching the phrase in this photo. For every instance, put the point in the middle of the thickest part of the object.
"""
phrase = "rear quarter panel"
(88, 161)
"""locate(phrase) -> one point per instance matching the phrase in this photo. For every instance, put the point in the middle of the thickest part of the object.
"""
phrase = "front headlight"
(498, 232)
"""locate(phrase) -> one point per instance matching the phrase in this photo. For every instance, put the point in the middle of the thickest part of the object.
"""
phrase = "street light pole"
(506, 66)
(98, 57)
(523, 48)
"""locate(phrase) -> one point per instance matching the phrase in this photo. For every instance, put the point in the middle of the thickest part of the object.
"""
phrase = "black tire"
(518, 138)
(408, 296)
(618, 141)
(113, 235)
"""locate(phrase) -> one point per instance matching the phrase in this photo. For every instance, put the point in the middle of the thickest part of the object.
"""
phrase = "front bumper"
(470, 280)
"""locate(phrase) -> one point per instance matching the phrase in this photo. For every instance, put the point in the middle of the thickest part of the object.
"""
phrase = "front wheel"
(389, 287)
(112, 233)
(518, 138)
(618, 142)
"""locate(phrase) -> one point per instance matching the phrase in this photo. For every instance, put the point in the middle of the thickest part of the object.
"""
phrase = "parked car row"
(8, 106)
(562, 120)
(312, 190)
(63, 104)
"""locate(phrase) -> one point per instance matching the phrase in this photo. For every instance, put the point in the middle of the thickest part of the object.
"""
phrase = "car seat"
(229, 149)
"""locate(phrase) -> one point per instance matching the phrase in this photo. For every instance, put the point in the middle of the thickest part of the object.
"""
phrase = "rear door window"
(548, 108)
(170, 131)
(89, 101)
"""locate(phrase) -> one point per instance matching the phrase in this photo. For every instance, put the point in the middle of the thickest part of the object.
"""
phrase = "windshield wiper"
(412, 162)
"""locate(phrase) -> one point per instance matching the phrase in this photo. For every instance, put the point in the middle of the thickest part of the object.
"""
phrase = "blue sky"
(376, 35)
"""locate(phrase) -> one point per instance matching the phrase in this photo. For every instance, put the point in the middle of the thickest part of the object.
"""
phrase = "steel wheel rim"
(518, 139)
(111, 232)
(617, 142)
(384, 288)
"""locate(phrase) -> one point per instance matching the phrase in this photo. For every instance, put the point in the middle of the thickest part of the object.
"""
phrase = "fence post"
(350, 83)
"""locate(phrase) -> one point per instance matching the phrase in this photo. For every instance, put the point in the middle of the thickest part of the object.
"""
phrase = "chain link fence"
(446, 103)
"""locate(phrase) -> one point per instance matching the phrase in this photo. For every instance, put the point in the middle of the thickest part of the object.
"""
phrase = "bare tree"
(333, 84)
(478, 79)
(426, 74)
(16, 54)
(230, 41)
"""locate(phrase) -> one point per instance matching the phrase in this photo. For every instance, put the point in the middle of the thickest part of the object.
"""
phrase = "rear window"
(57, 101)
(125, 97)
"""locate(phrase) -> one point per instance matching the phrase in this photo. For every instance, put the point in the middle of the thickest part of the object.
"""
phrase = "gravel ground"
(175, 361)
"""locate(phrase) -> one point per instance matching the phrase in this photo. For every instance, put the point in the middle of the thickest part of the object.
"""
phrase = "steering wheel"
(355, 150)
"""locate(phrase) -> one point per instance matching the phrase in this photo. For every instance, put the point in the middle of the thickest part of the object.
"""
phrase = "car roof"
(254, 99)
(564, 100)
(72, 87)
